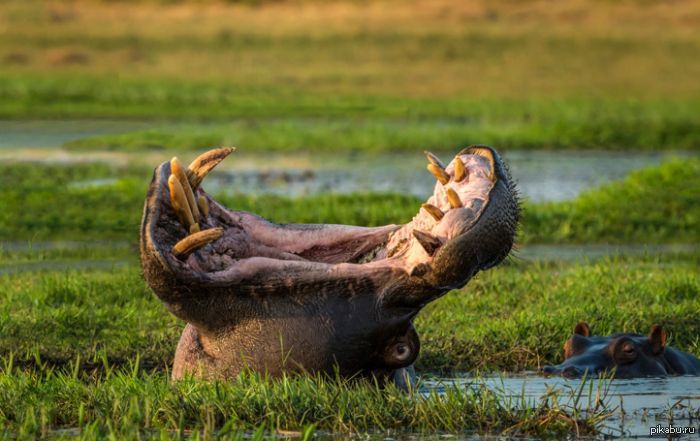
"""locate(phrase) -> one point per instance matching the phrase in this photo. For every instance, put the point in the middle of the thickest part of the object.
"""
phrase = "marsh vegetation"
(85, 348)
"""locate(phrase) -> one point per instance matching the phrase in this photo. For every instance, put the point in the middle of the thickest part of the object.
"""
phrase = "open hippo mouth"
(320, 297)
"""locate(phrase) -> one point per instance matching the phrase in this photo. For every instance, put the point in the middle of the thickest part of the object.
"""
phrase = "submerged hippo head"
(626, 355)
(316, 298)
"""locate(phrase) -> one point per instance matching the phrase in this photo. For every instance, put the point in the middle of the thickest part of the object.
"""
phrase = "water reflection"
(637, 405)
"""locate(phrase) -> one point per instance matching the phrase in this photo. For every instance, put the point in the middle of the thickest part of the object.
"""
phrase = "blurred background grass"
(399, 75)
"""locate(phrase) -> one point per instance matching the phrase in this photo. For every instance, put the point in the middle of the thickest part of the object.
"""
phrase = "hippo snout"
(566, 372)
(550, 370)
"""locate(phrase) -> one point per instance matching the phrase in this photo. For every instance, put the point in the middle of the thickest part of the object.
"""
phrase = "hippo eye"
(401, 352)
(625, 352)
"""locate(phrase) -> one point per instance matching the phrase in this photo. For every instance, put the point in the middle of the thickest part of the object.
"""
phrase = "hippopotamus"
(623, 354)
(330, 299)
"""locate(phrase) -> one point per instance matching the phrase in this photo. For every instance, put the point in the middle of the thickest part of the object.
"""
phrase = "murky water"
(636, 405)
(52, 134)
(541, 175)
(578, 252)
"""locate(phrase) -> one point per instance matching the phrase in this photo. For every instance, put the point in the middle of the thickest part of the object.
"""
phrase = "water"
(52, 134)
(541, 175)
(580, 252)
(635, 405)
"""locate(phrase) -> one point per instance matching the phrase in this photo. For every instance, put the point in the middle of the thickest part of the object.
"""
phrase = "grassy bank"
(91, 349)
(513, 124)
(513, 318)
(99, 202)
(328, 75)
(133, 404)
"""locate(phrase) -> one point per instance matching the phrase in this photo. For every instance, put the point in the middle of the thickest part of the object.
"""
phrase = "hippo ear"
(657, 339)
(582, 329)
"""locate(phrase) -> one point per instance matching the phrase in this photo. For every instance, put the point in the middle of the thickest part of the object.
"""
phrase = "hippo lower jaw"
(316, 297)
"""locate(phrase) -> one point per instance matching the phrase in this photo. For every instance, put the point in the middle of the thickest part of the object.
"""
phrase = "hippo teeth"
(460, 170)
(439, 173)
(187, 208)
(203, 206)
(204, 163)
(195, 241)
(458, 198)
(434, 211)
(453, 198)
(177, 171)
(179, 202)
(433, 159)
(429, 242)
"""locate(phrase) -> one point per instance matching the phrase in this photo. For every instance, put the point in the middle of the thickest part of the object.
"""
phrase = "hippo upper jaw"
(245, 280)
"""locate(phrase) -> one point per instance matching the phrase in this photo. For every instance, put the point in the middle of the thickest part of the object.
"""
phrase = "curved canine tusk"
(179, 201)
(429, 242)
(484, 153)
(460, 170)
(434, 159)
(203, 205)
(439, 173)
(434, 211)
(195, 241)
(204, 163)
(177, 169)
(453, 198)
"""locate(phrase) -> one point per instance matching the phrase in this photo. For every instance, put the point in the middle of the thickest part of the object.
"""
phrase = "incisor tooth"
(453, 198)
(179, 201)
(203, 206)
(434, 211)
(204, 163)
(195, 241)
(434, 159)
(177, 169)
(460, 170)
(429, 242)
(439, 173)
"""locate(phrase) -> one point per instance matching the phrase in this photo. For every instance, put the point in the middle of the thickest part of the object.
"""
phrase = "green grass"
(518, 317)
(48, 202)
(131, 403)
(405, 125)
(92, 349)
(325, 75)
(655, 204)
(513, 318)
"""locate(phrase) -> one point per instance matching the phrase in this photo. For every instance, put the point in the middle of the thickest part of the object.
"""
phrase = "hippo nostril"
(570, 372)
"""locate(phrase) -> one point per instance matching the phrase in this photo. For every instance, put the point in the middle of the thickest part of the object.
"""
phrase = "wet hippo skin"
(316, 298)
(626, 355)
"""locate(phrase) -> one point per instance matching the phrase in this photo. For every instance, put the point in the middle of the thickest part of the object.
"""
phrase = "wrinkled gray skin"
(627, 355)
(320, 298)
